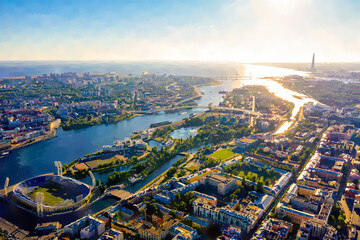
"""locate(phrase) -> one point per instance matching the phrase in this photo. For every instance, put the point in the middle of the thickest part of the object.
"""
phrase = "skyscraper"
(313, 70)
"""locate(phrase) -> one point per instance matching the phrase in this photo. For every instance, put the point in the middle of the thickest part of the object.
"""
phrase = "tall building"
(253, 107)
(313, 70)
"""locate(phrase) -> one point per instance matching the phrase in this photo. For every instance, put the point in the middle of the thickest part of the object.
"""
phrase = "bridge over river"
(226, 109)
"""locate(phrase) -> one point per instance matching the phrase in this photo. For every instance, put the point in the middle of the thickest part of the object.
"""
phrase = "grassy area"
(192, 168)
(222, 154)
(49, 198)
(253, 173)
(96, 163)
(193, 165)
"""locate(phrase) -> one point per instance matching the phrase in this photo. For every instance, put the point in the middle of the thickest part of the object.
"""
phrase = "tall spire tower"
(313, 70)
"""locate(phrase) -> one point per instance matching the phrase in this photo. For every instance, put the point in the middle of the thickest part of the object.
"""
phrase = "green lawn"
(222, 154)
(253, 173)
(95, 163)
(49, 198)
(192, 168)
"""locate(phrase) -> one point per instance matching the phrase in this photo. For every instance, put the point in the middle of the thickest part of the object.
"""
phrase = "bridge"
(227, 109)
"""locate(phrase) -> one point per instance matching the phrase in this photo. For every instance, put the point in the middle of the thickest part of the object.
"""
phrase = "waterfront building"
(46, 228)
(5, 145)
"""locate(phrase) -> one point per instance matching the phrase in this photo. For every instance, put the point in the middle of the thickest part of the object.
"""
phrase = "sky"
(197, 30)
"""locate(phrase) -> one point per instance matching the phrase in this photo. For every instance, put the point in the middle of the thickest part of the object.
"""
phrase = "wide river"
(68, 145)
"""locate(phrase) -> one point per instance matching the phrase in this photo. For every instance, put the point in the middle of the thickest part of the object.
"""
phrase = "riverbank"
(159, 179)
(46, 137)
(69, 145)
(108, 162)
(75, 124)
(325, 91)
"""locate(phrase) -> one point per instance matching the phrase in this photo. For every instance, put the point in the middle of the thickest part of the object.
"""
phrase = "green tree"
(243, 182)
(187, 222)
(233, 196)
(259, 187)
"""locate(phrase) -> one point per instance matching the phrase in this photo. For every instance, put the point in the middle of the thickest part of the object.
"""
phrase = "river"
(38, 158)
(68, 145)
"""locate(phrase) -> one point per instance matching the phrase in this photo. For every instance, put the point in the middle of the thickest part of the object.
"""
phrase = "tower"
(253, 106)
(39, 204)
(135, 97)
(6, 186)
(313, 70)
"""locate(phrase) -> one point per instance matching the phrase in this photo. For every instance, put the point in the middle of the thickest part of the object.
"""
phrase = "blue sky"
(221, 30)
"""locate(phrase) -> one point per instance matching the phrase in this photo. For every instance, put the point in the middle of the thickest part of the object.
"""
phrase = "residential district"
(242, 181)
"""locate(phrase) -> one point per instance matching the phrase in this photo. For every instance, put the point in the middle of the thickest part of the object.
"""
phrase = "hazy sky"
(230, 30)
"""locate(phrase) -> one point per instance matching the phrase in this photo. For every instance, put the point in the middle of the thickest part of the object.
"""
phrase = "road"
(266, 213)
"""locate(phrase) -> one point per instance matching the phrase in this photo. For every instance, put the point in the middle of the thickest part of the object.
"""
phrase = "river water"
(68, 145)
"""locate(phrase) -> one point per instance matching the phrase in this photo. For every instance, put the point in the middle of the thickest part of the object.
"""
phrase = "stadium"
(61, 194)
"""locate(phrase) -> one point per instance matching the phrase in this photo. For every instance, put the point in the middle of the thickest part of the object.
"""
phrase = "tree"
(259, 187)
(233, 196)
(182, 173)
(253, 178)
(267, 182)
(151, 207)
(187, 222)
(273, 180)
(243, 182)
